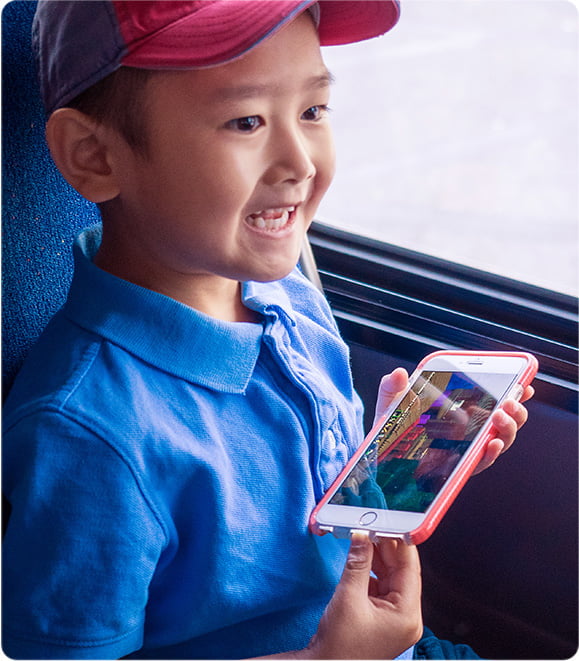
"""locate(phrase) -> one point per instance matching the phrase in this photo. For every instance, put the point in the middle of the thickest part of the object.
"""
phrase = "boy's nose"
(291, 159)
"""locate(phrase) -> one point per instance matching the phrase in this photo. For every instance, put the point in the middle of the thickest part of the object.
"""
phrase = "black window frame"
(408, 303)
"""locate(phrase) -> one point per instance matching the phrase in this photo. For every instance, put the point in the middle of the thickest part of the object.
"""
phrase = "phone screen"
(421, 443)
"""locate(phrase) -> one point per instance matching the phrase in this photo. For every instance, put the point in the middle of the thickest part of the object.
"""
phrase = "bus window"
(457, 136)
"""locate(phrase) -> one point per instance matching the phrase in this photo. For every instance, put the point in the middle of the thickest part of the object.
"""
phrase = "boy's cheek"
(330, 150)
(326, 168)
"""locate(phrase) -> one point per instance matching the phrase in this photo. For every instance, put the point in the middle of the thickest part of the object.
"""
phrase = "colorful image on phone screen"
(421, 443)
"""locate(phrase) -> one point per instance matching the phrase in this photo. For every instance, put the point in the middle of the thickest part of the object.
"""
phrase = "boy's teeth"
(270, 219)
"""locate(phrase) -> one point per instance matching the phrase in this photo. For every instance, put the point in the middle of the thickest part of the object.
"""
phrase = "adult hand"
(372, 617)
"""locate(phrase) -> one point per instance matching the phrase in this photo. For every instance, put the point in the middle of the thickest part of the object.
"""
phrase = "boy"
(181, 415)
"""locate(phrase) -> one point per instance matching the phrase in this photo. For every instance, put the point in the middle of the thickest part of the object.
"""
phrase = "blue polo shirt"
(162, 466)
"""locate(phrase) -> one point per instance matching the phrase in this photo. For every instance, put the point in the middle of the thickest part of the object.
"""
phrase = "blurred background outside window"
(457, 136)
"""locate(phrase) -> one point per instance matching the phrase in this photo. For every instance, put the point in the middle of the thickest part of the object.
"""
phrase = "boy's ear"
(81, 151)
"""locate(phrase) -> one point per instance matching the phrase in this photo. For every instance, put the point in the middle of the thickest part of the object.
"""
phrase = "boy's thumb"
(358, 563)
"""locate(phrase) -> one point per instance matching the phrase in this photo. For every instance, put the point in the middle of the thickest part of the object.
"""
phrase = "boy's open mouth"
(271, 220)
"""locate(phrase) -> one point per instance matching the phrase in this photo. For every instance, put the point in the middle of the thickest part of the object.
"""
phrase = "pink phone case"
(452, 488)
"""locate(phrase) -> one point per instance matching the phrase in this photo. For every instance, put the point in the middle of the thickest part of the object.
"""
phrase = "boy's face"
(239, 157)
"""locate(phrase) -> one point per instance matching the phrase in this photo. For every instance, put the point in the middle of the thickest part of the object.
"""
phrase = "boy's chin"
(274, 271)
(273, 276)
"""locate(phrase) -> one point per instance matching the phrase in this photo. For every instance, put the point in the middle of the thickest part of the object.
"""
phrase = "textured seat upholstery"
(41, 213)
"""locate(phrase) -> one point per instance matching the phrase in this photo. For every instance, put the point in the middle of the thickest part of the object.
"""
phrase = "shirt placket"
(277, 336)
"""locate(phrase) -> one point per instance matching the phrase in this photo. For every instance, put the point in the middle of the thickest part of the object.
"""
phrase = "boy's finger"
(493, 450)
(506, 427)
(390, 387)
(528, 393)
(516, 411)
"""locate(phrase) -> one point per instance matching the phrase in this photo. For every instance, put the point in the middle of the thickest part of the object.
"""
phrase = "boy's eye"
(315, 113)
(245, 124)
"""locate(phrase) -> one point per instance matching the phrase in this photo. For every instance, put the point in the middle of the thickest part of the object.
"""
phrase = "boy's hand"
(368, 617)
(507, 420)
(391, 385)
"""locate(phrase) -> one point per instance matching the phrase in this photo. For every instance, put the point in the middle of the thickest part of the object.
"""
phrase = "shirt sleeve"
(81, 545)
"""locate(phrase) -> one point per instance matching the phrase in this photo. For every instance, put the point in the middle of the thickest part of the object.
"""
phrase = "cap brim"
(347, 22)
(224, 31)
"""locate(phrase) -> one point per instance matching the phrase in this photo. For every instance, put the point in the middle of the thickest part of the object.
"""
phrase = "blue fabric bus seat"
(41, 213)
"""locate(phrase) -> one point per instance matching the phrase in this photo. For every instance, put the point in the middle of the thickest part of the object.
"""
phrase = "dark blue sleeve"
(431, 647)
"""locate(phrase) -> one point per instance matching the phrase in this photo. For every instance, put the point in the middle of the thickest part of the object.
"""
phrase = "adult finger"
(356, 574)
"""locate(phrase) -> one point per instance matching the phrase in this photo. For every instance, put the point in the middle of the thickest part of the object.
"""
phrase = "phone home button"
(367, 518)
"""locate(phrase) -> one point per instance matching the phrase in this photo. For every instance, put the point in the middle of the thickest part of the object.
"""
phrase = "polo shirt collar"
(168, 334)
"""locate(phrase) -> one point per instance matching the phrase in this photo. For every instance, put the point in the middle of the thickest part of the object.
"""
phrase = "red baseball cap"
(79, 42)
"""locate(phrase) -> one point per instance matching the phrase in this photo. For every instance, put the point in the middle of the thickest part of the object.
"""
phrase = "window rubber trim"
(408, 303)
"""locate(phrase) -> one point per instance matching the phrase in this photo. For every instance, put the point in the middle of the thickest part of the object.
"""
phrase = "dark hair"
(117, 101)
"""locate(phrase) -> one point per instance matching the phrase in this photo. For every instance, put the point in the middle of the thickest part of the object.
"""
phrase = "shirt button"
(330, 439)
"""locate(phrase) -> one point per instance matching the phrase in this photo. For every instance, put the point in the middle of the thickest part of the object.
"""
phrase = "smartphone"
(418, 456)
